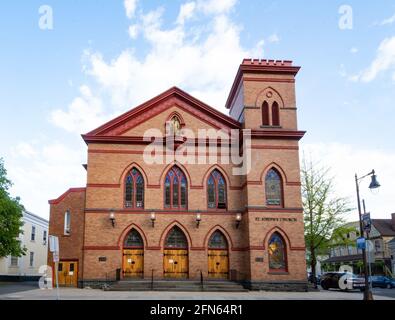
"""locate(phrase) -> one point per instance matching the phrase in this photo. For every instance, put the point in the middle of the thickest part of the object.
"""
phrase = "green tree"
(10, 218)
(323, 213)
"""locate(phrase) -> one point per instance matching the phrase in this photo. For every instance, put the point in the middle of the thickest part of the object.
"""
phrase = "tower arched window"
(277, 253)
(175, 189)
(216, 191)
(134, 189)
(275, 114)
(273, 188)
(265, 114)
(270, 115)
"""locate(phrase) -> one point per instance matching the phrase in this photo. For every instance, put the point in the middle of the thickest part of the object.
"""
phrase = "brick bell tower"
(263, 99)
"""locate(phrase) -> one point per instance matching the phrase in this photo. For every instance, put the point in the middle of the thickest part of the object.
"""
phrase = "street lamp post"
(373, 185)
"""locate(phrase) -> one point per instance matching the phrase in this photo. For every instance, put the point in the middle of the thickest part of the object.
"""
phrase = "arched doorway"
(133, 255)
(175, 254)
(218, 256)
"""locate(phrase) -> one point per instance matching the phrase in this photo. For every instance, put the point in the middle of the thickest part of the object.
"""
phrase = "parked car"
(382, 282)
(331, 280)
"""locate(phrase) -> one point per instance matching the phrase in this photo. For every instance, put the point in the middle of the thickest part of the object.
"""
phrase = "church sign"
(276, 219)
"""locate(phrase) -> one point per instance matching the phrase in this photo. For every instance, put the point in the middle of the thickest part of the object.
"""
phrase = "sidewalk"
(94, 294)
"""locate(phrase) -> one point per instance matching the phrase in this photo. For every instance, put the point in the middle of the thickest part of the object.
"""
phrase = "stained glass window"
(277, 253)
(175, 189)
(134, 239)
(216, 191)
(176, 239)
(218, 241)
(273, 187)
(134, 189)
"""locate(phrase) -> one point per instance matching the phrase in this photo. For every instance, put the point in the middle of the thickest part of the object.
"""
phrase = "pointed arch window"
(134, 190)
(175, 189)
(133, 239)
(216, 191)
(271, 115)
(275, 114)
(67, 222)
(273, 188)
(277, 253)
(265, 114)
(176, 239)
(218, 241)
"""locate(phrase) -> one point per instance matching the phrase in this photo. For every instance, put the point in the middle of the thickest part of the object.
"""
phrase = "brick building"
(176, 219)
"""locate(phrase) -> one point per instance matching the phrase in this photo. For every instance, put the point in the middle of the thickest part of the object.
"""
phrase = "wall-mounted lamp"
(198, 219)
(238, 220)
(112, 218)
(153, 218)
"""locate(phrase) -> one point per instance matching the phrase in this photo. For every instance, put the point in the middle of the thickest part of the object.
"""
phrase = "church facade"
(147, 213)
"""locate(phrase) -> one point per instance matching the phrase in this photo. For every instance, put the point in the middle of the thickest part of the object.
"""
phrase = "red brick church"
(137, 219)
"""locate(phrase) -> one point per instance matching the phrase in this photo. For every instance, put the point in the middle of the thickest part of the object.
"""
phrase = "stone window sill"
(271, 127)
(282, 273)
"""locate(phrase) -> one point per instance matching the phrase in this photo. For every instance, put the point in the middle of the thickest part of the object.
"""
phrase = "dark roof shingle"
(384, 227)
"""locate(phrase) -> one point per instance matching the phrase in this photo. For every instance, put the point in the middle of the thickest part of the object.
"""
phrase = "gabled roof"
(384, 227)
(64, 195)
(174, 92)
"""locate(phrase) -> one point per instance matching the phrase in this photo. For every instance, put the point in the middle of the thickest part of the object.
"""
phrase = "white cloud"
(383, 62)
(133, 31)
(390, 20)
(84, 113)
(203, 62)
(354, 50)
(130, 7)
(24, 150)
(216, 6)
(274, 38)
(345, 161)
(45, 172)
(201, 58)
(186, 12)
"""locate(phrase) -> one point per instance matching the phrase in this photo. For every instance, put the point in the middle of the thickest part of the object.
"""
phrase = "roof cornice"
(172, 92)
(257, 66)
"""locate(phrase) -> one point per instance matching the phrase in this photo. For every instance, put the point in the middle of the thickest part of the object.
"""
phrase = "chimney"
(393, 221)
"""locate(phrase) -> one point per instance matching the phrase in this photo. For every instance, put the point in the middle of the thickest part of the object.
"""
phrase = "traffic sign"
(361, 243)
(53, 244)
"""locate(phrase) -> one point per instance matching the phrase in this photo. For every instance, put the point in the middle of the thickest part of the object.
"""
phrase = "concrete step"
(177, 285)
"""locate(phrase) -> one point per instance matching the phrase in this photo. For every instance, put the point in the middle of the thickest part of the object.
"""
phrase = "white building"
(35, 239)
(381, 234)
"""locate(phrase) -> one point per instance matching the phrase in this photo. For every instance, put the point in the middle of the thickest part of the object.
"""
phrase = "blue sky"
(103, 57)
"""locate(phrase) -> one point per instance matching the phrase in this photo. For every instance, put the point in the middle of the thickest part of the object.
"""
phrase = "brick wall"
(109, 163)
(70, 246)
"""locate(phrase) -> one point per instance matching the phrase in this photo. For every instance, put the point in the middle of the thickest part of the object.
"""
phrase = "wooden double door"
(67, 273)
(133, 263)
(218, 264)
(175, 263)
